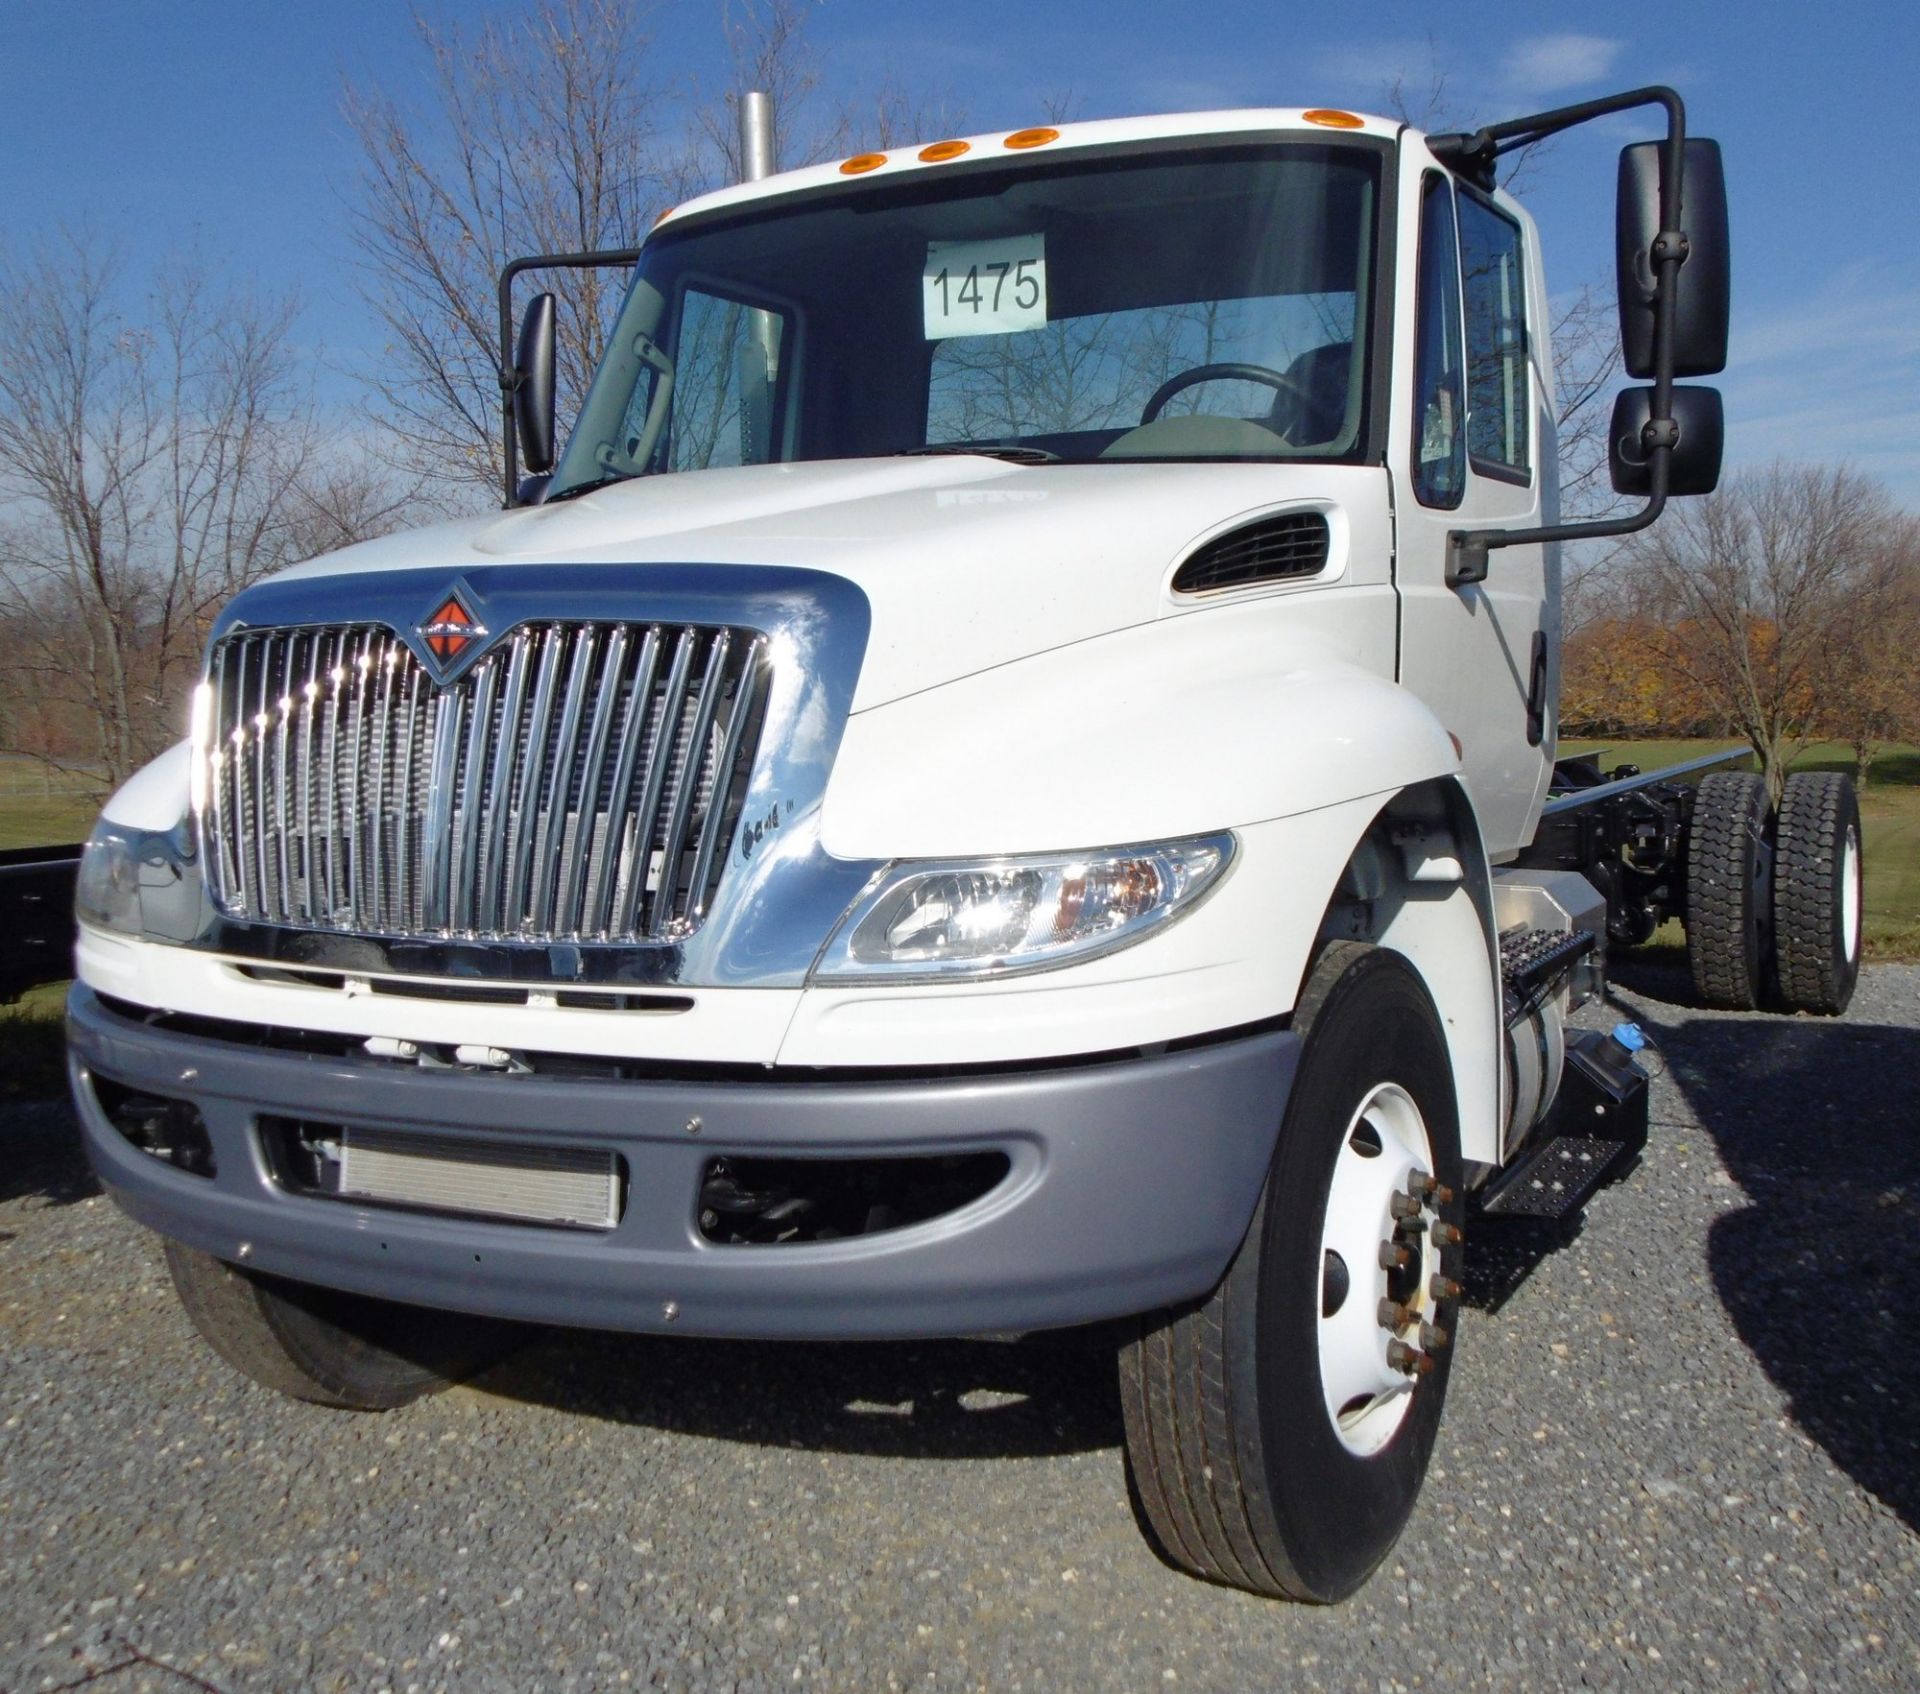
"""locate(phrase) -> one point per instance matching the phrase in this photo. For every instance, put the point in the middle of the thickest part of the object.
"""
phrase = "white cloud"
(1548, 64)
(1375, 62)
(1832, 378)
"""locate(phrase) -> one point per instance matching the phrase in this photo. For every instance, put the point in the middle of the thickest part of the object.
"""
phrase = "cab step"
(1593, 1135)
(1556, 1176)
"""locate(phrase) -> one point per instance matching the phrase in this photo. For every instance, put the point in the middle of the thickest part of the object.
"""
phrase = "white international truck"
(1004, 779)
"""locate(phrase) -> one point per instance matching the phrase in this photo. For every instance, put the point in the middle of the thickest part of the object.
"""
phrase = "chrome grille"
(581, 781)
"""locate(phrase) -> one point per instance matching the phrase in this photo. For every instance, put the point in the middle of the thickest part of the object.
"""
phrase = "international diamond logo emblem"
(450, 630)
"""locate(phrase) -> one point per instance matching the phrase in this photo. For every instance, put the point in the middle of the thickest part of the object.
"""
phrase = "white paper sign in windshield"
(985, 287)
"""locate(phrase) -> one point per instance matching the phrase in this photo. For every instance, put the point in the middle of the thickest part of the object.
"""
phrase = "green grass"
(33, 1043)
(31, 821)
(1889, 818)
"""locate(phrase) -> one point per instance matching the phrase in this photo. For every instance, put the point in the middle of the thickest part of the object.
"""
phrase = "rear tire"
(1243, 1468)
(1727, 908)
(335, 1349)
(1817, 892)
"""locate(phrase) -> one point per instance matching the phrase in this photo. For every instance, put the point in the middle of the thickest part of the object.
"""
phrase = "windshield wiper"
(984, 450)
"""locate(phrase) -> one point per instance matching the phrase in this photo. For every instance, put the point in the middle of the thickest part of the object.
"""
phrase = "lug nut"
(1445, 1235)
(1433, 1337)
(1445, 1288)
(1393, 1315)
(1394, 1258)
(1408, 1359)
(1404, 1206)
(1429, 1190)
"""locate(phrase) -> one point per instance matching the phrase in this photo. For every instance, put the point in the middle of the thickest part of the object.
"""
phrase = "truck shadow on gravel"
(40, 1156)
(1815, 1120)
(1041, 1396)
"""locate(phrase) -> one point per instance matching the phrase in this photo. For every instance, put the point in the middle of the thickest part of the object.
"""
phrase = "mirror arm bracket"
(1671, 244)
(608, 258)
(1467, 549)
(1474, 157)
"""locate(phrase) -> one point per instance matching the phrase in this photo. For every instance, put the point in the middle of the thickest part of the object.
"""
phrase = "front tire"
(335, 1349)
(1278, 1432)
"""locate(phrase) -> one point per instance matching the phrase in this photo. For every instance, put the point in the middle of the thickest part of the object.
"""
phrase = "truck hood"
(967, 562)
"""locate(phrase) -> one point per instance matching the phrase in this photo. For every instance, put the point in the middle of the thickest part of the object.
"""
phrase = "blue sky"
(213, 126)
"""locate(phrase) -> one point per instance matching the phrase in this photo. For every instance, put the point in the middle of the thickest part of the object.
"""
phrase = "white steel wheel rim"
(1850, 896)
(1366, 1396)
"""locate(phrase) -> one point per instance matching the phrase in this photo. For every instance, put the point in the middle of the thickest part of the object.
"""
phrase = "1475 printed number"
(985, 287)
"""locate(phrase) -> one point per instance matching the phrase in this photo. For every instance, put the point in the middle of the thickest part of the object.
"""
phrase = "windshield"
(1205, 304)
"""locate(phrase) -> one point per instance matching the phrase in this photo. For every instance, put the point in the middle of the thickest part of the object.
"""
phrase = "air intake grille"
(580, 782)
(1293, 544)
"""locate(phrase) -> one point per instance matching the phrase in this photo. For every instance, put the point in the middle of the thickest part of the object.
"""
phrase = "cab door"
(1473, 446)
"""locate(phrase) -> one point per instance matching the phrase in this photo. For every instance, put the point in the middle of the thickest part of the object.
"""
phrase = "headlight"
(990, 917)
(107, 891)
(140, 882)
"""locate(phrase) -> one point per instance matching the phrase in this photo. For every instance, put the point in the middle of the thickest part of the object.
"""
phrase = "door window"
(1440, 441)
(1497, 403)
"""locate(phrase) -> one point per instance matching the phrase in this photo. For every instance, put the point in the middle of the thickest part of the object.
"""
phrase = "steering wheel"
(1276, 380)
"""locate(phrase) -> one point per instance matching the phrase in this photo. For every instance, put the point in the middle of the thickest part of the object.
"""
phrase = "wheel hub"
(1382, 1270)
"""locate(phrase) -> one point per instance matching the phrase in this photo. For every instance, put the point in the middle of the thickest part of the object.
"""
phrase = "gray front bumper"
(1132, 1183)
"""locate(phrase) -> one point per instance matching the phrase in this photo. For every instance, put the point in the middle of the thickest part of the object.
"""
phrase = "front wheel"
(1278, 1432)
(346, 1350)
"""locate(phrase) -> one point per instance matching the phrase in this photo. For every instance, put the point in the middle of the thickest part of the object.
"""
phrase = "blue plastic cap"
(1630, 1036)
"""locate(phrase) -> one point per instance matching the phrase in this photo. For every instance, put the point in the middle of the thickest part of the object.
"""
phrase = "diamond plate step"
(1557, 1177)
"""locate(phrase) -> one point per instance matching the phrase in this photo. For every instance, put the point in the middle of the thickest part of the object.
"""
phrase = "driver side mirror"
(533, 385)
(1701, 304)
(1693, 465)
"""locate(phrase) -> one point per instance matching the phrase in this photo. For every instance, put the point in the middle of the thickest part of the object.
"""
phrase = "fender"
(1446, 928)
(155, 796)
(1217, 719)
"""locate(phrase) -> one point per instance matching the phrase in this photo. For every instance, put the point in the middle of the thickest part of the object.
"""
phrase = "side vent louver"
(1274, 549)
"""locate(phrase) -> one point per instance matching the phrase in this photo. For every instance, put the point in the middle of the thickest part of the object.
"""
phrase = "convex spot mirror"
(1702, 303)
(533, 385)
(1693, 465)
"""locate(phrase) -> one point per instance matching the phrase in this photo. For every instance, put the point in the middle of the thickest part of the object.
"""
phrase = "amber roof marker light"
(1031, 138)
(861, 163)
(1329, 118)
(941, 150)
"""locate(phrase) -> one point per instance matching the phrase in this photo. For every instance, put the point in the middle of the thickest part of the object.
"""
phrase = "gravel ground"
(1680, 1453)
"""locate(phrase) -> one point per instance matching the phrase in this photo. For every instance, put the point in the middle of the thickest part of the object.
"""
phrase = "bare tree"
(768, 45)
(768, 48)
(540, 138)
(546, 135)
(1872, 688)
(1759, 595)
(154, 462)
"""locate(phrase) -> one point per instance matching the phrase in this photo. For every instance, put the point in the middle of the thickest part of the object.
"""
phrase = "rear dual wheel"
(1774, 899)
(1278, 1431)
(1817, 892)
(1729, 913)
